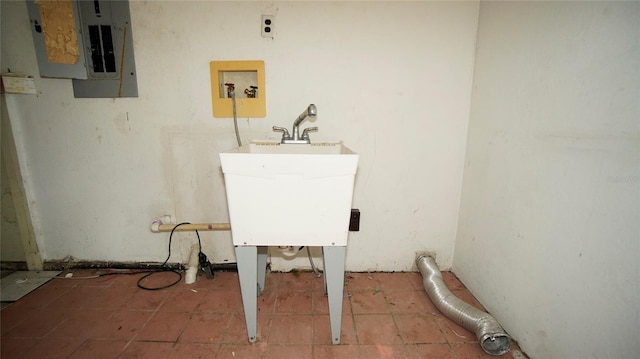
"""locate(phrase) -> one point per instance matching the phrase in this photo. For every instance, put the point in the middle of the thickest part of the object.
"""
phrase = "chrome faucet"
(310, 112)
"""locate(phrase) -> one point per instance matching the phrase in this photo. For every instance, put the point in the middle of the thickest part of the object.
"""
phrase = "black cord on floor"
(164, 267)
(161, 287)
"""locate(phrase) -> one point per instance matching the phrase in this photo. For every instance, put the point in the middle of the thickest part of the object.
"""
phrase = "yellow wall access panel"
(243, 74)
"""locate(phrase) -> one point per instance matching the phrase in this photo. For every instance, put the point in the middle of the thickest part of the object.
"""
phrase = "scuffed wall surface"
(390, 80)
(11, 246)
(548, 238)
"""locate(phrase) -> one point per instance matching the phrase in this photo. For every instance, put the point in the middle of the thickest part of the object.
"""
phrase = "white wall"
(391, 80)
(10, 244)
(548, 237)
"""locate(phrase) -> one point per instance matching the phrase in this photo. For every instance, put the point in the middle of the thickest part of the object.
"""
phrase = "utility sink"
(289, 194)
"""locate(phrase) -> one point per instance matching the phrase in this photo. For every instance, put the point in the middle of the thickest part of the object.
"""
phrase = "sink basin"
(289, 194)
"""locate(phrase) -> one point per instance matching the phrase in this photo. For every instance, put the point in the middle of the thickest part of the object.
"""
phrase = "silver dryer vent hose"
(492, 338)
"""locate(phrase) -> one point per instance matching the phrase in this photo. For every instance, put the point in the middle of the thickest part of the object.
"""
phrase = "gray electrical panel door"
(88, 41)
(61, 59)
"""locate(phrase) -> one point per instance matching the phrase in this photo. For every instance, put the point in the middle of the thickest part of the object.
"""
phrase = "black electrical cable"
(160, 271)
(164, 268)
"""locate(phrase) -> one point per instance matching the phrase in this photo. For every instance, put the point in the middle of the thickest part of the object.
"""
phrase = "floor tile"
(80, 323)
(267, 301)
(321, 302)
(384, 315)
(160, 280)
(361, 281)
(37, 323)
(194, 351)
(183, 299)
(413, 301)
(62, 282)
(335, 351)
(452, 281)
(242, 351)
(146, 299)
(368, 302)
(42, 296)
(53, 348)
(74, 298)
(139, 350)
(288, 352)
(474, 351)
(416, 280)
(123, 324)
(453, 332)
(127, 280)
(164, 326)
(237, 331)
(299, 281)
(217, 301)
(322, 330)
(419, 328)
(293, 302)
(394, 281)
(221, 281)
(91, 278)
(291, 329)
(383, 351)
(271, 280)
(99, 349)
(108, 297)
(430, 351)
(14, 347)
(376, 329)
(11, 316)
(205, 328)
(471, 351)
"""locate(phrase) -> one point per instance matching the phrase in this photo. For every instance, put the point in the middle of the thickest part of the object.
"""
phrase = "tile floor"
(385, 315)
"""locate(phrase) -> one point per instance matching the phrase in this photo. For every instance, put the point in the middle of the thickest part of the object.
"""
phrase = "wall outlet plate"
(266, 26)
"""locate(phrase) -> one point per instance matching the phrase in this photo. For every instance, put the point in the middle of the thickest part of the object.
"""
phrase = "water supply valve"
(253, 93)
(231, 89)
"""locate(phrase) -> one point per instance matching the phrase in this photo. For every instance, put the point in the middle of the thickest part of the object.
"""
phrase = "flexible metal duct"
(492, 338)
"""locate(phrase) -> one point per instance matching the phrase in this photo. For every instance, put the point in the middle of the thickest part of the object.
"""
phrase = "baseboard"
(13, 265)
(67, 265)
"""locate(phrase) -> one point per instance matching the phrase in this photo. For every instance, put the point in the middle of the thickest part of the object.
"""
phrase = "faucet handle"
(285, 132)
(305, 133)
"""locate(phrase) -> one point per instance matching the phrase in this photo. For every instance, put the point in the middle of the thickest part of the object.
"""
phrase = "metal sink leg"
(333, 259)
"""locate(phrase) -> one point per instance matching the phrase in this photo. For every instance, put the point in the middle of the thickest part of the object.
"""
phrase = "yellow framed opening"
(247, 78)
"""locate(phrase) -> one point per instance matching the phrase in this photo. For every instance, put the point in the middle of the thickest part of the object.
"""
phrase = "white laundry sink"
(289, 194)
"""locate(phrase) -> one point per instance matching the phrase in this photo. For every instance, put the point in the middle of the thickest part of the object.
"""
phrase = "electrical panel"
(88, 41)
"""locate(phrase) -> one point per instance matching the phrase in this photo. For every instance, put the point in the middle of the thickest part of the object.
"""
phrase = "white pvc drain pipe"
(492, 338)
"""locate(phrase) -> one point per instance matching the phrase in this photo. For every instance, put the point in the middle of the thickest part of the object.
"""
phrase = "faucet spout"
(295, 137)
(311, 111)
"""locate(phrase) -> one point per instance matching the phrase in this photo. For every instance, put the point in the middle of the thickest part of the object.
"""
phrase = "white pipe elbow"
(166, 219)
